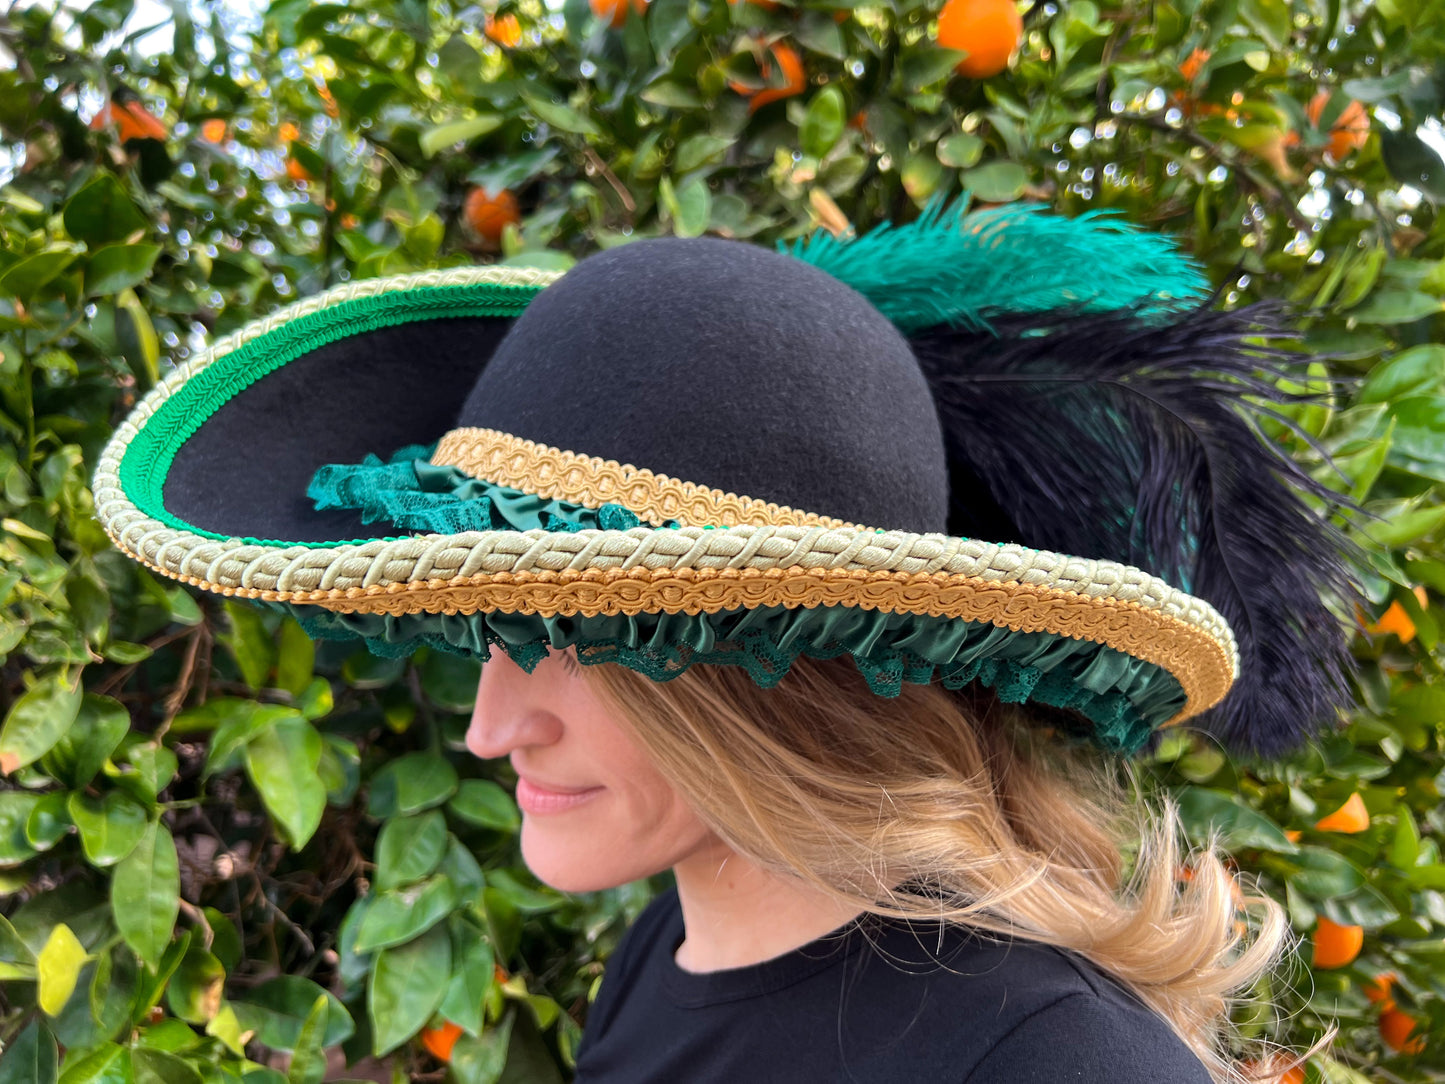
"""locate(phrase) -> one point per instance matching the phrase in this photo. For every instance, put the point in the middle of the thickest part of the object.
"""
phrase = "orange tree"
(228, 854)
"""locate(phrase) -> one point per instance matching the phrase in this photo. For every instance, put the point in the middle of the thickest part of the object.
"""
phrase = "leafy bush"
(229, 854)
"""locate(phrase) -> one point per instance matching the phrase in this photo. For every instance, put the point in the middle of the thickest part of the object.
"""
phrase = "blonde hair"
(944, 805)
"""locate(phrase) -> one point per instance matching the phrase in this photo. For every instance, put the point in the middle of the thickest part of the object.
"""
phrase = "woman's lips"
(532, 798)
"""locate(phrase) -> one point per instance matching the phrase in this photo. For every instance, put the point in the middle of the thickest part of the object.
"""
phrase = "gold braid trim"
(505, 460)
(1200, 663)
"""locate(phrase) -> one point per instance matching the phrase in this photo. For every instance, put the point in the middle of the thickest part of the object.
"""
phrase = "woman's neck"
(737, 914)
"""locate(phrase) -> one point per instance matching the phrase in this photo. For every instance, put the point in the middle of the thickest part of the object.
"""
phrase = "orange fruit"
(1335, 945)
(1273, 1071)
(505, 30)
(131, 121)
(615, 11)
(439, 1041)
(489, 215)
(1293, 834)
(795, 79)
(1397, 1029)
(1194, 64)
(1377, 990)
(296, 171)
(1350, 818)
(288, 132)
(214, 130)
(1350, 130)
(990, 31)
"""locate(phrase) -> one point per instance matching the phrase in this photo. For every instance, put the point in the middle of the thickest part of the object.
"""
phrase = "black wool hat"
(700, 451)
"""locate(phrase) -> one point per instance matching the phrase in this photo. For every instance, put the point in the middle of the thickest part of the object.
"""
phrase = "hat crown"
(731, 367)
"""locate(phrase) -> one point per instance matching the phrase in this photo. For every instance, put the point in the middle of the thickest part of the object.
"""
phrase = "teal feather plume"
(957, 269)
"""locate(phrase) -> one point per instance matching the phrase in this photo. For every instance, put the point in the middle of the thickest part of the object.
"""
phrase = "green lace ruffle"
(1124, 698)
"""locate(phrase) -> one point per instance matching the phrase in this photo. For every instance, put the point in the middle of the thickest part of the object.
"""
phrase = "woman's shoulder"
(1028, 1012)
(1058, 1017)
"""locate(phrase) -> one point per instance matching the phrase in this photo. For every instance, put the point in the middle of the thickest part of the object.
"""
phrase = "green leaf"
(823, 122)
(995, 182)
(1206, 812)
(671, 95)
(482, 1060)
(486, 805)
(1393, 305)
(143, 348)
(249, 643)
(48, 823)
(1321, 874)
(116, 267)
(101, 212)
(960, 150)
(38, 719)
(927, 65)
(398, 915)
(295, 659)
(699, 150)
(450, 681)
(282, 762)
(25, 277)
(1412, 161)
(236, 723)
(98, 729)
(443, 136)
(145, 894)
(409, 848)
(407, 985)
(559, 115)
(1405, 846)
(410, 784)
(15, 809)
(194, 992)
(278, 1009)
(106, 1064)
(308, 1062)
(161, 1067)
(689, 205)
(109, 826)
(472, 976)
(58, 965)
(32, 1056)
(1417, 371)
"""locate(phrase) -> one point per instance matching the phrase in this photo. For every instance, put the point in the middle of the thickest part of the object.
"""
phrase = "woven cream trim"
(1203, 665)
(505, 460)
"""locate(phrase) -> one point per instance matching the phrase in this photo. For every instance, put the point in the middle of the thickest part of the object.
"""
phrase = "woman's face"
(617, 819)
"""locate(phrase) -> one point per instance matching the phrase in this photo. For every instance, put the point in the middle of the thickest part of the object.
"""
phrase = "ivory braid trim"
(1203, 665)
(505, 460)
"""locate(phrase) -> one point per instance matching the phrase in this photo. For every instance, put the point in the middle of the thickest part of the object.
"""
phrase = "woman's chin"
(573, 862)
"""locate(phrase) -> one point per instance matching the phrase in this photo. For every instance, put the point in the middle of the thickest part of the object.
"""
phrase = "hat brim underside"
(206, 483)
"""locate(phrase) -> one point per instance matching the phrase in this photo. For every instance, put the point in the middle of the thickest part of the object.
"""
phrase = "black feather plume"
(1138, 439)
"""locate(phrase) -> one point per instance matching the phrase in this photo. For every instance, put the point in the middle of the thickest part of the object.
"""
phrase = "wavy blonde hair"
(946, 805)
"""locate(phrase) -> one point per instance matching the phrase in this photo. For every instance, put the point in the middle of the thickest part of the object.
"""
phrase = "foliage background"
(227, 854)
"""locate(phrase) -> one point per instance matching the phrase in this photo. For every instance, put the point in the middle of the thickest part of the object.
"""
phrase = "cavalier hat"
(1001, 447)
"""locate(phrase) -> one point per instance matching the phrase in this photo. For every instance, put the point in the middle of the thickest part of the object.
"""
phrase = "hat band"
(505, 460)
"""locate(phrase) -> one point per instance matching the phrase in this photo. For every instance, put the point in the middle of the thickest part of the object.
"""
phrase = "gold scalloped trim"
(505, 460)
(1200, 663)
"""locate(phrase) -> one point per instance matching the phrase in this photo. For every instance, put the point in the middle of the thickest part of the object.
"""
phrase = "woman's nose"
(508, 714)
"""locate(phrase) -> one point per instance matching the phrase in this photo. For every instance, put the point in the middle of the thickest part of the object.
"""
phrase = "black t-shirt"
(966, 1009)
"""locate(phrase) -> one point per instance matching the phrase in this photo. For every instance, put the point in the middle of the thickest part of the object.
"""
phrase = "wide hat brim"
(704, 567)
